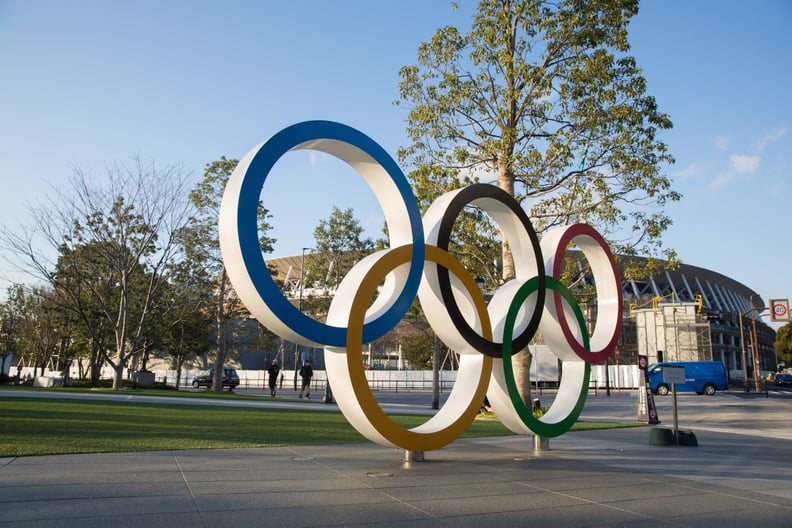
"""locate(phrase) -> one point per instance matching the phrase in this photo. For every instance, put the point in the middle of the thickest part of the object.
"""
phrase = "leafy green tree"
(187, 324)
(81, 282)
(417, 346)
(201, 245)
(783, 344)
(543, 100)
(338, 246)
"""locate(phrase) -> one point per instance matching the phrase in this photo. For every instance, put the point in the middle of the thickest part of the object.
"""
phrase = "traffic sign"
(673, 374)
(779, 310)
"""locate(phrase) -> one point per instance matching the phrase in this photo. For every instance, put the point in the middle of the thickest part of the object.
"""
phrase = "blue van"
(701, 377)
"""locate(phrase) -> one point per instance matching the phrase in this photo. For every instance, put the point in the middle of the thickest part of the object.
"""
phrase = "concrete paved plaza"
(604, 478)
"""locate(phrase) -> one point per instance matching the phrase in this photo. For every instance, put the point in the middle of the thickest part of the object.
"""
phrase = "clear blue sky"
(90, 82)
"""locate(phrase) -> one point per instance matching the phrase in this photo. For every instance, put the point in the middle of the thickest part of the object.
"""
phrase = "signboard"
(647, 411)
(643, 362)
(779, 310)
(673, 374)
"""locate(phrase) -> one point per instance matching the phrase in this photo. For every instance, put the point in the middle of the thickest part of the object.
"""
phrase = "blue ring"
(247, 221)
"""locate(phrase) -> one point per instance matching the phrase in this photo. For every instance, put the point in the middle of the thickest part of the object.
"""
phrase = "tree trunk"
(179, 361)
(118, 381)
(180, 358)
(521, 363)
(220, 336)
(121, 332)
(95, 363)
(145, 358)
(506, 182)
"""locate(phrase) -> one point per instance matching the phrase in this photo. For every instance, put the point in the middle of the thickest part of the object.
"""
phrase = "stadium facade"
(686, 314)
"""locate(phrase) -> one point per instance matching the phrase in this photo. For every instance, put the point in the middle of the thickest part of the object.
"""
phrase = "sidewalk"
(604, 478)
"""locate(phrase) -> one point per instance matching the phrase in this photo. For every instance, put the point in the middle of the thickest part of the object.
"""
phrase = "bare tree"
(113, 240)
(11, 311)
(39, 329)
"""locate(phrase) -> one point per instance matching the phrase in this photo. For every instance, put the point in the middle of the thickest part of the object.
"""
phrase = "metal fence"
(618, 377)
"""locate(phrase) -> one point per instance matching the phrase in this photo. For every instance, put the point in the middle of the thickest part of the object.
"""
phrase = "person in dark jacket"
(306, 373)
(273, 371)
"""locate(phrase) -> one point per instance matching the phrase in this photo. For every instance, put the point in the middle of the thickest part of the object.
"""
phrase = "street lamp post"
(754, 348)
(746, 387)
(755, 314)
(299, 306)
(755, 352)
(302, 271)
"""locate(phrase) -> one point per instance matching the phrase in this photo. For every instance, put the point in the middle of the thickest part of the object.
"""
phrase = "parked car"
(783, 379)
(205, 378)
(701, 377)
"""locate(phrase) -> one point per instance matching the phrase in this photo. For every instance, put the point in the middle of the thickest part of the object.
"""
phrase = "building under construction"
(694, 314)
(688, 314)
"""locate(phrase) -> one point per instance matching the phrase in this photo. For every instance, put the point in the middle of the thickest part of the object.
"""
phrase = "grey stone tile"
(686, 505)
(389, 514)
(158, 520)
(82, 477)
(460, 490)
(299, 499)
(92, 491)
(41, 510)
(580, 516)
(737, 518)
(602, 480)
(274, 484)
(626, 490)
(494, 504)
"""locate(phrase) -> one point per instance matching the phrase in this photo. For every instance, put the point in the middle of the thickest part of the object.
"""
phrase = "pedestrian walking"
(306, 373)
(273, 371)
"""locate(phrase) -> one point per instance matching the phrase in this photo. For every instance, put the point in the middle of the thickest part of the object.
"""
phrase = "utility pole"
(299, 306)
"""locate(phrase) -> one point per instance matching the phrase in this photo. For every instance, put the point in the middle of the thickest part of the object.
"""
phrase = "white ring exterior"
(429, 292)
(397, 216)
(606, 282)
(376, 177)
(338, 374)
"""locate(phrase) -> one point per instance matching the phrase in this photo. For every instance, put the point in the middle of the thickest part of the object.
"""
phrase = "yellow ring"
(427, 436)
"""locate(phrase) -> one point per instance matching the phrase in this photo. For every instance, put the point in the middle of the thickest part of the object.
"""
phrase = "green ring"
(540, 428)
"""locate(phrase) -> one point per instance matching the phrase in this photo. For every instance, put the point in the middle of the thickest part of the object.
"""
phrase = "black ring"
(469, 195)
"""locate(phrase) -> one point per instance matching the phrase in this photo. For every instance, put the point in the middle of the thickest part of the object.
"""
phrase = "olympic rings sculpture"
(418, 263)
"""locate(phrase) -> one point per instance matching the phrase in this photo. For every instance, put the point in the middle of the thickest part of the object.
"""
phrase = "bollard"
(541, 443)
(661, 436)
(413, 456)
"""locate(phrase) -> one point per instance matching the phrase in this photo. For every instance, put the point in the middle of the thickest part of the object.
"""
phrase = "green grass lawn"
(33, 426)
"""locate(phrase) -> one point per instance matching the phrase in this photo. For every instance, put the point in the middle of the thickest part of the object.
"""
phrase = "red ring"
(595, 355)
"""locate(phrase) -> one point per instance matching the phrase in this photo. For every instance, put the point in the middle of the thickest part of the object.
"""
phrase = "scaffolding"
(671, 331)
